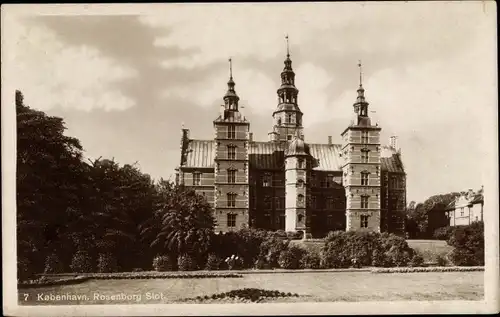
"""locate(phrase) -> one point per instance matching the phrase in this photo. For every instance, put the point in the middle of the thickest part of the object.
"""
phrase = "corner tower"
(298, 164)
(287, 118)
(231, 163)
(361, 167)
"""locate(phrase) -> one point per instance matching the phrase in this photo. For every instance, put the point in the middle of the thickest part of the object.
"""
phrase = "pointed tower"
(298, 165)
(231, 163)
(361, 167)
(287, 118)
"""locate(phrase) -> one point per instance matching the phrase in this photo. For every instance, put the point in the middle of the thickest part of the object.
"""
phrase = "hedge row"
(127, 276)
(42, 282)
(428, 269)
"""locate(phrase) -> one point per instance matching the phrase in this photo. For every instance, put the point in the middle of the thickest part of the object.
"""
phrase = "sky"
(126, 79)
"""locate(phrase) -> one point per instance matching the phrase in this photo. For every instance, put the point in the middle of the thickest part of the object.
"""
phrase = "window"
(300, 217)
(394, 182)
(364, 137)
(364, 157)
(301, 163)
(268, 203)
(462, 211)
(277, 203)
(288, 118)
(231, 220)
(313, 202)
(364, 202)
(329, 203)
(329, 181)
(364, 178)
(364, 221)
(231, 132)
(196, 178)
(300, 198)
(231, 152)
(231, 176)
(231, 200)
(313, 180)
(300, 183)
(266, 180)
(289, 137)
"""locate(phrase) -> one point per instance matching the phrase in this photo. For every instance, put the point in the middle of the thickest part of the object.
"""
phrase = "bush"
(416, 261)
(53, 265)
(310, 260)
(271, 249)
(441, 260)
(234, 262)
(345, 249)
(106, 263)
(295, 235)
(213, 262)
(443, 233)
(162, 263)
(186, 263)
(468, 243)
(291, 257)
(24, 269)
(81, 262)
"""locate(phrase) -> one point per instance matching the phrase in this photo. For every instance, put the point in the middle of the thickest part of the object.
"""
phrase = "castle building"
(285, 183)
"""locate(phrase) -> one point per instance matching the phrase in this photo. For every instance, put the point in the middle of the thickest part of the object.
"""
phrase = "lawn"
(317, 287)
(430, 249)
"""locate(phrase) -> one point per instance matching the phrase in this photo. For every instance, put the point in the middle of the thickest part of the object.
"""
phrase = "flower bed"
(41, 282)
(249, 295)
(428, 269)
(160, 275)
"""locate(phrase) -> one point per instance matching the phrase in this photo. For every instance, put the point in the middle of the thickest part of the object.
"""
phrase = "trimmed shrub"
(468, 243)
(271, 249)
(295, 235)
(81, 262)
(162, 263)
(53, 265)
(310, 260)
(213, 262)
(291, 257)
(441, 260)
(186, 263)
(416, 261)
(106, 263)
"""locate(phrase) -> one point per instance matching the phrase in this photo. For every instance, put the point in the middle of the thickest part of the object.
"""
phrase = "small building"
(466, 208)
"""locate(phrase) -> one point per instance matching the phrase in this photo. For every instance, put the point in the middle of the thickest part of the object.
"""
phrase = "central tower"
(287, 118)
(361, 168)
(231, 163)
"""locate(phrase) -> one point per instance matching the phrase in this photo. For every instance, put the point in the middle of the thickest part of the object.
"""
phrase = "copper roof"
(269, 155)
(200, 154)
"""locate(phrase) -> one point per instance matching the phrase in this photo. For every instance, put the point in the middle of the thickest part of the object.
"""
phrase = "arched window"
(288, 117)
(300, 198)
(300, 217)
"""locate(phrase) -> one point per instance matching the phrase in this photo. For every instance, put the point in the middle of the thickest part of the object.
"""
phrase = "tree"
(49, 178)
(182, 223)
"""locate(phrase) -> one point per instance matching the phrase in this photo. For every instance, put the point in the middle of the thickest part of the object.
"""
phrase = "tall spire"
(360, 74)
(231, 98)
(287, 47)
(230, 68)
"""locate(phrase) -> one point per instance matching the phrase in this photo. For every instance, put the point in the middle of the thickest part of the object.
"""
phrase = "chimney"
(393, 142)
(185, 134)
(329, 140)
(250, 136)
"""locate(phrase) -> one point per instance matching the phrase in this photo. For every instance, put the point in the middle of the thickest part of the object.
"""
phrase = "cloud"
(52, 74)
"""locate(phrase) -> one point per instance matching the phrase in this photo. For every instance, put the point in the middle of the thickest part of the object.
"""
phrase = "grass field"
(317, 287)
(430, 249)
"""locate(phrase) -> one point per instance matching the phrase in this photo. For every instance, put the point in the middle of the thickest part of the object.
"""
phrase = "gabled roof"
(478, 198)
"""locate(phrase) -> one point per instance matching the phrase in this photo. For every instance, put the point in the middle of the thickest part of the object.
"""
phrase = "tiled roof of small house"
(478, 198)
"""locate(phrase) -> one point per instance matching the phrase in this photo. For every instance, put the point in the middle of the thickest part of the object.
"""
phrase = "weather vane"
(230, 67)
